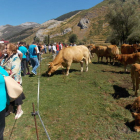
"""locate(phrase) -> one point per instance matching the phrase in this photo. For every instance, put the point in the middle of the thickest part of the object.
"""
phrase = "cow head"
(137, 121)
(51, 68)
(115, 56)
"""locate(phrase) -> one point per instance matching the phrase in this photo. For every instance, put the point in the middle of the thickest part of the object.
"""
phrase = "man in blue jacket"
(33, 57)
(23, 49)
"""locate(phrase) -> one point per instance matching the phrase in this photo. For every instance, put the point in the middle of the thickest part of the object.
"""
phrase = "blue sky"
(15, 12)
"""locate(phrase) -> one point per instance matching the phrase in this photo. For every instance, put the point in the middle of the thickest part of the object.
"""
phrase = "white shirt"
(54, 48)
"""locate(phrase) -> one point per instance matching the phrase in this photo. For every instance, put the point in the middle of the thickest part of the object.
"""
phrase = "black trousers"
(23, 66)
(2, 123)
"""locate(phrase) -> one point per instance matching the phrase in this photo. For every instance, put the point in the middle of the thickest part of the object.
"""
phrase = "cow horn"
(48, 64)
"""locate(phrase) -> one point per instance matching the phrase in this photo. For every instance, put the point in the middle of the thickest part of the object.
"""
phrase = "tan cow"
(127, 59)
(66, 56)
(129, 49)
(111, 51)
(135, 76)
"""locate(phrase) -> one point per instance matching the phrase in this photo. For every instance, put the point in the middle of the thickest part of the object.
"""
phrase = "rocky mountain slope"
(8, 31)
(89, 25)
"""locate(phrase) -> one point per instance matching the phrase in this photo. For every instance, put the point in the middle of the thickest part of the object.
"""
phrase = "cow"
(136, 113)
(111, 51)
(127, 59)
(128, 49)
(137, 121)
(92, 50)
(66, 56)
(135, 76)
(136, 105)
(101, 51)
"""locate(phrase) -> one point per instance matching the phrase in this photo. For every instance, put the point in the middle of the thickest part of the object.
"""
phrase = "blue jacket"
(3, 94)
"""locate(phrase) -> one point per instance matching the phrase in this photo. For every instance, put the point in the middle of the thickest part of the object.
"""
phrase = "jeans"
(35, 64)
(23, 65)
(45, 50)
(2, 123)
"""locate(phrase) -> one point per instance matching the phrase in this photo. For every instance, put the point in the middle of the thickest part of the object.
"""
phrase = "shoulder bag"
(14, 89)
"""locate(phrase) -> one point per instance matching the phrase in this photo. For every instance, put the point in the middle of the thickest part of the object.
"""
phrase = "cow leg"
(93, 55)
(137, 87)
(81, 66)
(98, 59)
(133, 80)
(106, 59)
(67, 70)
(110, 58)
(113, 61)
(125, 69)
(86, 62)
(101, 59)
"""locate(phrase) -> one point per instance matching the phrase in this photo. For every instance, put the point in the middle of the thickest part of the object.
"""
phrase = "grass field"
(82, 106)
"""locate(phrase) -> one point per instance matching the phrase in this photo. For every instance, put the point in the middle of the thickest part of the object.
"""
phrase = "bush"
(73, 38)
(134, 38)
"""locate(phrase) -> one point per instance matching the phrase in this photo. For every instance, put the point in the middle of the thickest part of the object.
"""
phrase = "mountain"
(89, 25)
(8, 31)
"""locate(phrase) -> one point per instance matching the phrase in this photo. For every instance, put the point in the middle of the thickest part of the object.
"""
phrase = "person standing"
(27, 60)
(54, 51)
(49, 47)
(33, 57)
(57, 48)
(45, 48)
(3, 95)
(23, 49)
(12, 64)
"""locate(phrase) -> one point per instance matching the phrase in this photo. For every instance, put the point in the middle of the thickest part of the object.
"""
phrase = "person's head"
(2, 47)
(21, 43)
(11, 48)
(34, 42)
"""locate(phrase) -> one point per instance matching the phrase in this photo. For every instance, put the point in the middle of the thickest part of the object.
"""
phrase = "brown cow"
(136, 108)
(129, 49)
(66, 56)
(127, 59)
(135, 76)
(92, 50)
(136, 105)
(101, 51)
(137, 121)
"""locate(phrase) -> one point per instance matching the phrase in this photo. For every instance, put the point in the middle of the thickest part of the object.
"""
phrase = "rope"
(38, 100)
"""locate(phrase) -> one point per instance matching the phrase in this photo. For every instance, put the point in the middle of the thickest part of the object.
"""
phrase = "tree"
(73, 38)
(122, 19)
(36, 39)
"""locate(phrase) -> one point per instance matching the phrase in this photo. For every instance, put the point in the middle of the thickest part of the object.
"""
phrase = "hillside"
(89, 25)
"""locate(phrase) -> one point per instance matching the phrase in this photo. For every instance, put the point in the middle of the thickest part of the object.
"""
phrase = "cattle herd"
(129, 55)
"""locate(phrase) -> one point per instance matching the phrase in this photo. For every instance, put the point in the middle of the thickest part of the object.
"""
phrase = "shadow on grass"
(59, 72)
(104, 63)
(119, 72)
(120, 92)
(130, 125)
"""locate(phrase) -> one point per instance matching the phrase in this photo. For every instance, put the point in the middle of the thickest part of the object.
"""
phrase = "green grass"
(80, 106)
